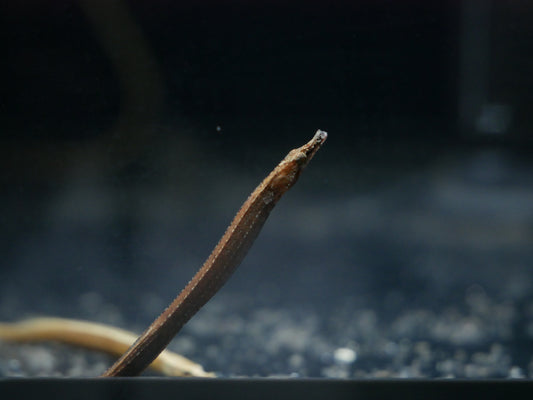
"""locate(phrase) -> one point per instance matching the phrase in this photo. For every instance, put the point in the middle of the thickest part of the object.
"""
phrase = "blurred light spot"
(344, 355)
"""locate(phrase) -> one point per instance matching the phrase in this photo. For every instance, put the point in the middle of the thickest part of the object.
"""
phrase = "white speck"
(268, 197)
(336, 372)
(516, 373)
(218, 128)
(41, 359)
(344, 355)
(296, 361)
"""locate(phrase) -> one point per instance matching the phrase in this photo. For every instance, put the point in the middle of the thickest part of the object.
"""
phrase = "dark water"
(130, 137)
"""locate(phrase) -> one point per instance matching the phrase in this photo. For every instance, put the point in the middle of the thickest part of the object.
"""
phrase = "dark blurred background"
(131, 132)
